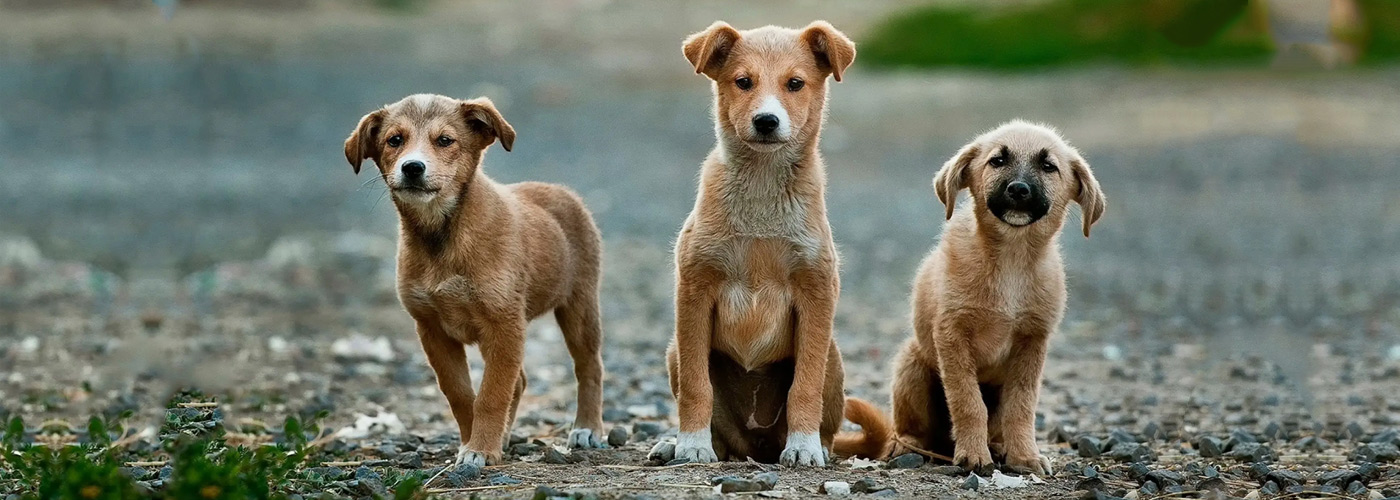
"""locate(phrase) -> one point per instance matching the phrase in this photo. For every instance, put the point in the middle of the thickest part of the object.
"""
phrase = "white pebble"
(837, 488)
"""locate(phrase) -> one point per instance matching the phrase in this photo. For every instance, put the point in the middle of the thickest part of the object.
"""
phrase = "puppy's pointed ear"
(1090, 198)
(953, 177)
(707, 50)
(364, 140)
(481, 115)
(833, 50)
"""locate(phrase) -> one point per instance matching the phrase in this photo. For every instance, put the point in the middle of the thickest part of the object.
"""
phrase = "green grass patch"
(1059, 32)
(1377, 39)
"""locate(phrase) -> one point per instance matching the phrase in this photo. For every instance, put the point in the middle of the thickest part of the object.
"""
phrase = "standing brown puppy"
(985, 303)
(753, 365)
(478, 260)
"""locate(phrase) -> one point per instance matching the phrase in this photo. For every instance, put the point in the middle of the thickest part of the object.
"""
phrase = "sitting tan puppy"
(478, 260)
(986, 301)
(753, 365)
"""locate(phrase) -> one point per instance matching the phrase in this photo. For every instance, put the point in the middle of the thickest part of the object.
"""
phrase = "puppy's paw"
(663, 451)
(585, 438)
(803, 449)
(1036, 464)
(974, 458)
(468, 456)
(696, 447)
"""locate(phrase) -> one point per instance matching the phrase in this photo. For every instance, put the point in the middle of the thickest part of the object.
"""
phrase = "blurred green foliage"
(1058, 32)
(202, 466)
(1378, 37)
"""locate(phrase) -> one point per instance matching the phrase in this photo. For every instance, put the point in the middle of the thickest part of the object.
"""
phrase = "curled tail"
(875, 437)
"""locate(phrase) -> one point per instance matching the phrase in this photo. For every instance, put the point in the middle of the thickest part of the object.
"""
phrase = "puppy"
(985, 302)
(753, 365)
(478, 260)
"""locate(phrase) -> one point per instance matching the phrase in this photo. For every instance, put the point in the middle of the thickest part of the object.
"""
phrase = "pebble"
(836, 488)
(1212, 484)
(1138, 472)
(1273, 431)
(368, 482)
(1285, 477)
(552, 455)
(1259, 471)
(523, 449)
(1269, 488)
(409, 460)
(1153, 431)
(1209, 447)
(867, 485)
(617, 437)
(1090, 484)
(460, 475)
(972, 482)
(762, 481)
(1132, 452)
(906, 461)
(1377, 452)
(543, 492)
(946, 470)
(1149, 489)
(648, 428)
(1368, 471)
(501, 480)
(1356, 488)
(136, 473)
(1164, 477)
(1339, 477)
(1252, 452)
(328, 473)
(1088, 446)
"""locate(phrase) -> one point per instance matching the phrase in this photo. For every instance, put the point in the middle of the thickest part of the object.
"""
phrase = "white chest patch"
(1014, 289)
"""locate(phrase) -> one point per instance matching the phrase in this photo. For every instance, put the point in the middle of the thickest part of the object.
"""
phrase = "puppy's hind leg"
(583, 333)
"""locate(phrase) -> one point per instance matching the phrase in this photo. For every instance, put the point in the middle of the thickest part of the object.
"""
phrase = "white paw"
(585, 438)
(469, 457)
(803, 449)
(696, 446)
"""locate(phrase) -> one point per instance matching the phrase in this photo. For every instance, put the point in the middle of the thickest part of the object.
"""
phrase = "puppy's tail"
(875, 437)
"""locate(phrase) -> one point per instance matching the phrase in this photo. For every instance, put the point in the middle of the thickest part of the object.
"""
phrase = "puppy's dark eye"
(1049, 167)
(998, 161)
(395, 141)
(795, 84)
(743, 82)
(445, 141)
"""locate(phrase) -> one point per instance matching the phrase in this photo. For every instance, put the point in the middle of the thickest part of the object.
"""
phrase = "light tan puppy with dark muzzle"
(985, 303)
(478, 260)
(753, 366)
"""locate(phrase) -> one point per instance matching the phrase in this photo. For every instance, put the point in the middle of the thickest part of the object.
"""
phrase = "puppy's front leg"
(448, 359)
(816, 310)
(695, 396)
(503, 350)
(965, 406)
(1018, 401)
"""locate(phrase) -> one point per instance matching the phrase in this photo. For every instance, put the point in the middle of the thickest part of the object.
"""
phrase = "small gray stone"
(523, 449)
(1376, 452)
(552, 455)
(409, 460)
(543, 492)
(1209, 447)
(906, 461)
(501, 480)
(733, 484)
(617, 437)
(835, 488)
(973, 482)
(946, 470)
(461, 475)
(1088, 446)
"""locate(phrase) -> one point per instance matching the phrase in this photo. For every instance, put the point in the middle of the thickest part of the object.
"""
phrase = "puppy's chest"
(754, 302)
(458, 303)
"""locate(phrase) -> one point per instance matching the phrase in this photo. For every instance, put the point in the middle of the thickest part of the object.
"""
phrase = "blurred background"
(177, 210)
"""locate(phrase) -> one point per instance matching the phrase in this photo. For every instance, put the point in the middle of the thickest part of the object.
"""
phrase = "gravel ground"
(1233, 323)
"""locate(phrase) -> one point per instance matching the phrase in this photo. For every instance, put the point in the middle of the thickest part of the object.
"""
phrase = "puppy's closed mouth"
(415, 190)
(1017, 218)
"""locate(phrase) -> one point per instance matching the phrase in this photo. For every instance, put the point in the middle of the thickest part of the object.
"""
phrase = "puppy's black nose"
(413, 169)
(765, 123)
(1018, 190)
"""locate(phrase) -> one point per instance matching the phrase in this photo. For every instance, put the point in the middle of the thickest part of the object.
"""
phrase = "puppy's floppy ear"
(707, 50)
(362, 142)
(1090, 197)
(481, 115)
(953, 176)
(833, 50)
